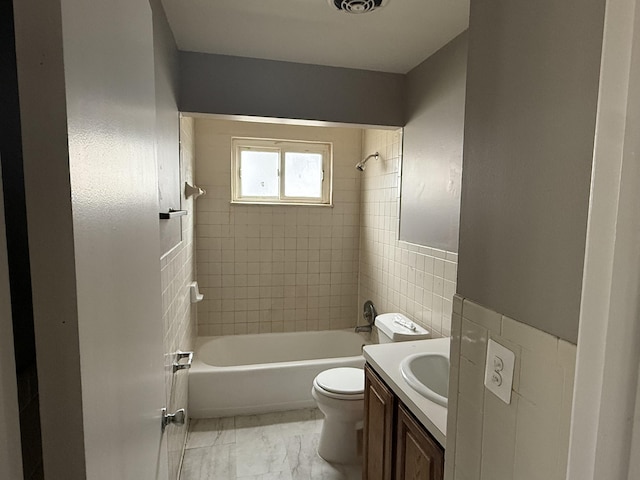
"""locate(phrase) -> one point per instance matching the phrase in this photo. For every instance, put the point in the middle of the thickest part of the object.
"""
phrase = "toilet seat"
(345, 383)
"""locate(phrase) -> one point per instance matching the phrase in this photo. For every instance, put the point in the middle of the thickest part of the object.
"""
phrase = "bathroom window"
(281, 172)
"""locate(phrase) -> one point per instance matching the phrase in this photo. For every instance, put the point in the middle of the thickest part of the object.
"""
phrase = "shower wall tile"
(269, 268)
(527, 439)
(177, 271)
(397, 276)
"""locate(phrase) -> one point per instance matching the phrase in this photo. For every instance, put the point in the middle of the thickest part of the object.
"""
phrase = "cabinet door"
(378, 428)
(418, 456)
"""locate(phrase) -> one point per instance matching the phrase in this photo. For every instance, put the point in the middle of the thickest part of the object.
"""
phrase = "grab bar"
(179, 356)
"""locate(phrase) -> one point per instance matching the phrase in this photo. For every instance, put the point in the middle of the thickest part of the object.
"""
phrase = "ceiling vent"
(357, 6)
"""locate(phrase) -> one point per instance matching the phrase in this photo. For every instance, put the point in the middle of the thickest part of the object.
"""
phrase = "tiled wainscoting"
(397, 276)
(273, 446)
(488, 439)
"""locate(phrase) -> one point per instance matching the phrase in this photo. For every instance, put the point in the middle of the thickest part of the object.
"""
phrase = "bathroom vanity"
(404, 433)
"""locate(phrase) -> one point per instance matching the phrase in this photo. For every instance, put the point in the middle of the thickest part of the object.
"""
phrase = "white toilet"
(339, 393)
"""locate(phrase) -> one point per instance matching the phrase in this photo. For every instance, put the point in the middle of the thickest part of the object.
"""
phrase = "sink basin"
(428, 374)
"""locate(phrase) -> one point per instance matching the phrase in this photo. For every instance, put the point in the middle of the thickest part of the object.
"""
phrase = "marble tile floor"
(272, 446)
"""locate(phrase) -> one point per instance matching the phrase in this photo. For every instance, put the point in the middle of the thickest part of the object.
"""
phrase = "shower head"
(361, 165)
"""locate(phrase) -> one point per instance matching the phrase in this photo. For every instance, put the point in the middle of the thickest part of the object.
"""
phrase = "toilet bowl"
(339, 393)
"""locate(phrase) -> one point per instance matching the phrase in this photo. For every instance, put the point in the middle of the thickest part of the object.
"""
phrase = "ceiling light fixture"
(357, 6)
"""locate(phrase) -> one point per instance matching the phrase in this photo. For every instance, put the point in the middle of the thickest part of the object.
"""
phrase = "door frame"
(10, 450)
(608, 358)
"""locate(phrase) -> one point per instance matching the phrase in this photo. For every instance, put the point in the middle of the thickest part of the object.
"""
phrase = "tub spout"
(363, 328)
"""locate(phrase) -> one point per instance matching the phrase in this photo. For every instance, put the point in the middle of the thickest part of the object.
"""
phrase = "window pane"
(303, 175)
(258, 174)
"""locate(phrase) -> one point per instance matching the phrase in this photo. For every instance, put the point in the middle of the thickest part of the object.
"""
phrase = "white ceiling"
(394, 38)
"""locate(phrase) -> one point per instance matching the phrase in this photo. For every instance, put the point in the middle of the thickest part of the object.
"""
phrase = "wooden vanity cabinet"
(395, 445)
(418, 456)
(377, 438)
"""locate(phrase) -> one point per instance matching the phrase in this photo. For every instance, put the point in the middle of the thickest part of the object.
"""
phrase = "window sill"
(283, 204)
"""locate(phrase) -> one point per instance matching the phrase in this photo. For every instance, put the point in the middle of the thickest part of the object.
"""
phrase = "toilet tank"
(396, 327)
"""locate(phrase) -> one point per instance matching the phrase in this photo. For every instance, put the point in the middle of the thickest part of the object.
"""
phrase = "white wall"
(275, 268)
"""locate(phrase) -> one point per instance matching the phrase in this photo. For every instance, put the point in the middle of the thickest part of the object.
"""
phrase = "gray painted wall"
(167, 126)
(244, 86)
(432, 148)
(532, 88)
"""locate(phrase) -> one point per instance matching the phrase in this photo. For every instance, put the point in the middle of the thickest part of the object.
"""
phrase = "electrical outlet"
(498, 376)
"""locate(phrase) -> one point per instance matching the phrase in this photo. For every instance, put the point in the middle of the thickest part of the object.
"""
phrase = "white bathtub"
(250, 374)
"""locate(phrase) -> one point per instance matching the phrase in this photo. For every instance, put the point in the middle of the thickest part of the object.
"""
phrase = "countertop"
(385, 359)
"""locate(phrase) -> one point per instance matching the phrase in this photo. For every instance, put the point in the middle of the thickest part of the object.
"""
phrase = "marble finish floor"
(273, 446)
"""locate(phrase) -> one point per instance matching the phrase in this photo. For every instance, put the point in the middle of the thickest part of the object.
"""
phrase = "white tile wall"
(275, 268)
(399, 277)
(178, 270)
(488, 439)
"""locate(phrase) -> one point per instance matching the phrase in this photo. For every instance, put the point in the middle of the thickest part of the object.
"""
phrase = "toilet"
(339, 393)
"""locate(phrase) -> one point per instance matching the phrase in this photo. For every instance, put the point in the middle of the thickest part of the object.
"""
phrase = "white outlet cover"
(499, 381)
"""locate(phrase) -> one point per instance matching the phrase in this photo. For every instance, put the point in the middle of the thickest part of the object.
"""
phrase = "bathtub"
(268, 372)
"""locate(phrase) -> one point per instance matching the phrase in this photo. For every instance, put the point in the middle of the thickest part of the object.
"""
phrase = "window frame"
(325, 149)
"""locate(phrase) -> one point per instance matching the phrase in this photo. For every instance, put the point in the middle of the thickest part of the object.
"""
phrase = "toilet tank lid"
(399, 328)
